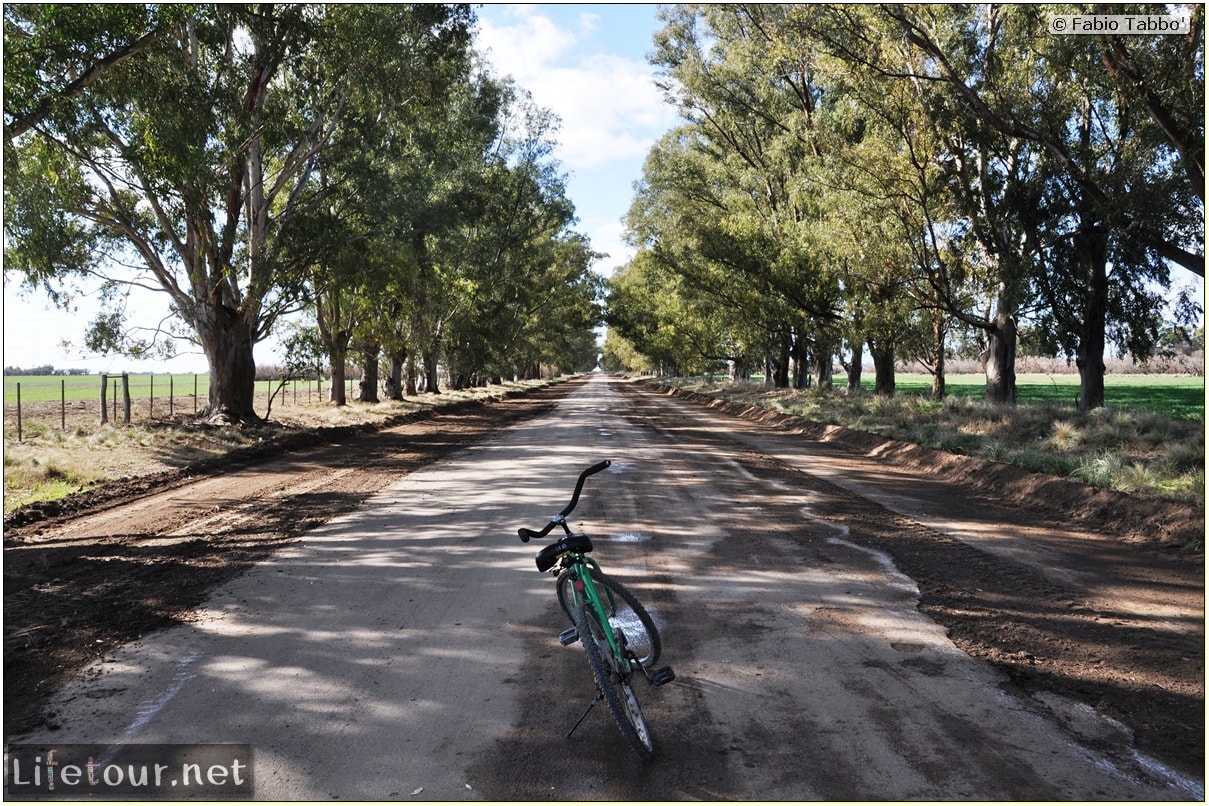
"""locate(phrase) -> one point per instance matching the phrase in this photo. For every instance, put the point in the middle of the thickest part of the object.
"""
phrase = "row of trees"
(45, 369)
(909, 179)
(355, 165)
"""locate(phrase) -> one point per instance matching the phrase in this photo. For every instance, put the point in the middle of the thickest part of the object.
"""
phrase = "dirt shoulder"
(94, 571)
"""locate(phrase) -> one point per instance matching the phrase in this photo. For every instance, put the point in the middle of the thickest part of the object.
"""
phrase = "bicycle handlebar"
(560, 519)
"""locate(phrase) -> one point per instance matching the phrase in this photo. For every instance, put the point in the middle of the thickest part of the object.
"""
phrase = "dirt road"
(406, 648)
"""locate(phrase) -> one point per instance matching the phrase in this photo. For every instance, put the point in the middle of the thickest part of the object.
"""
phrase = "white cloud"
(609, 106)
(608, 237)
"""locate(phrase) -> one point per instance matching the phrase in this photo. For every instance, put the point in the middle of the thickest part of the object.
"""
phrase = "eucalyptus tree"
(962, 192)
(494, 246)
(1165, 77)
(386, 196)
(191, 144)
(1132, 129)
(656, 311)
(543, 308)
(677, 220)
(750, 108)
(1052, 165)
(1119, 126)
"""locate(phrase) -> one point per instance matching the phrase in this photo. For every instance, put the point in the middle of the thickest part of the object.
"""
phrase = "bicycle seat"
(548, 556)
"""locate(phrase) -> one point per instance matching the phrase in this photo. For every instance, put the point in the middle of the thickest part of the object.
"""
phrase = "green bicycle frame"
(584, 589)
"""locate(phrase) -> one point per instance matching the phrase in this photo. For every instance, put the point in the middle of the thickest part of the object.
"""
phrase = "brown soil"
(96, 571)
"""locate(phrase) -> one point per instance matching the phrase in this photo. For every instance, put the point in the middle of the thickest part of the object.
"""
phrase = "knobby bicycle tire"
(614, 688)
(640, 631)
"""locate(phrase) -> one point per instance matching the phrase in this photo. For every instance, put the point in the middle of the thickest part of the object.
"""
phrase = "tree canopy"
(254, 161)
(888, 175)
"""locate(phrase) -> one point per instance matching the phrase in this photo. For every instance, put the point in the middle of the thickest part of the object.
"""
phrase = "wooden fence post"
(62, 404)
(126, 398)
(104, 398)
(18, 412)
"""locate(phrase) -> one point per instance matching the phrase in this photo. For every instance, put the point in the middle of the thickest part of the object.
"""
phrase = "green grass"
(48, 458)
(1148, 440)
(75, 388)
(1178, 396)
(72, 388)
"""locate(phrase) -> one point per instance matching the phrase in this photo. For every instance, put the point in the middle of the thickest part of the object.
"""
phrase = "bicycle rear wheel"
(614, 687)
(625, 612)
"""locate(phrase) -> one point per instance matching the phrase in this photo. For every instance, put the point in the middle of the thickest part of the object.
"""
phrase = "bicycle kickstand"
(579, 721)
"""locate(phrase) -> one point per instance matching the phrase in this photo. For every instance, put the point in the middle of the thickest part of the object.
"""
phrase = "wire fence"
(143, 398)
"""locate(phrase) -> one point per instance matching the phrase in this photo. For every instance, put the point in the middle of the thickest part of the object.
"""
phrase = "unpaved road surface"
(841, 628)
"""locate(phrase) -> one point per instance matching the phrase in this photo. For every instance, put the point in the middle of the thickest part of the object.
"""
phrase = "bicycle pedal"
(569, 636)
(661, 676)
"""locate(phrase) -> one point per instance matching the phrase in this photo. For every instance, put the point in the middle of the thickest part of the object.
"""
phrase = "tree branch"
(74, 88)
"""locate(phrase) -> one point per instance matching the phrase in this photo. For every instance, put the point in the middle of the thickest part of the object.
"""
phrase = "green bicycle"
(617, 633)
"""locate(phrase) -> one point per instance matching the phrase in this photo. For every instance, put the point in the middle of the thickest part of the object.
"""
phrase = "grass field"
(87, 388)
(56, 450)
(74, 388)
(1179, 396)
(1149, 439)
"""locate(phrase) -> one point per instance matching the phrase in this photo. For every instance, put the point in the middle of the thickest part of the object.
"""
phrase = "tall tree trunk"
(883, 366)
(227, 343)
(338, 395)
(368, 392)
(801, 350)
(394, 383)
(339, 356)
(940, 333)
(1001, 360)
(781, 365)
(430, 373)
(411, 374)
(823, 367)
(855, 368)
(826, 345)
(1092, 248)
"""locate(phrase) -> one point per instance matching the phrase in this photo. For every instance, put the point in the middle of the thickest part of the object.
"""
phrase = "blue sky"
(585, 62)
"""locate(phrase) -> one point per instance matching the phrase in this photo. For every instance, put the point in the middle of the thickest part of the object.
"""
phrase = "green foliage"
(902, 176)
(196, 137)
(255, 161)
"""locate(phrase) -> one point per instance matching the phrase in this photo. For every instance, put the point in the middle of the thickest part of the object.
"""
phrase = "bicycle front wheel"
(613, 685)
(625, 613)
